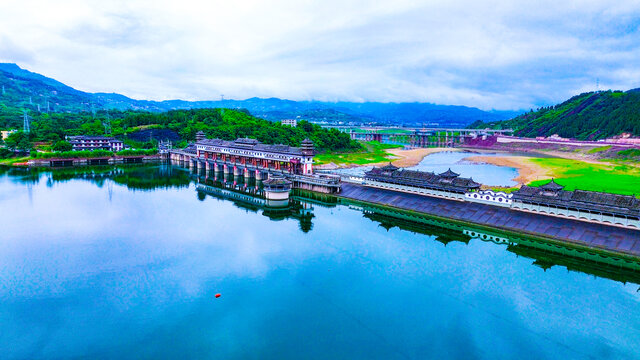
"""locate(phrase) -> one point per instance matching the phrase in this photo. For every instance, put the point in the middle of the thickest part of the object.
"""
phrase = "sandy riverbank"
(402, 158)
(528, 171)
(413, 157)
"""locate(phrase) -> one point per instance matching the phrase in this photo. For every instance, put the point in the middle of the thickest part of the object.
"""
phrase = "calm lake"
(125, 263)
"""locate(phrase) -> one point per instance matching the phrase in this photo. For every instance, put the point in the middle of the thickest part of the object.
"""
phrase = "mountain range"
(23, 89)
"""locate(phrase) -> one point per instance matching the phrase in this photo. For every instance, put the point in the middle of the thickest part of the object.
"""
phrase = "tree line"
(225, 124)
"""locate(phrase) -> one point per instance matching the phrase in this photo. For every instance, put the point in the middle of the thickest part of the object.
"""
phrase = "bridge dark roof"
(422, 179)
(579, 199)
(389, 167)
(191, 148)
(252, 144)
(449, 174)
(552, 186)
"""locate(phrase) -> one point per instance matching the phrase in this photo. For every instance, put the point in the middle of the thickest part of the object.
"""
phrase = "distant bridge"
(419, 137)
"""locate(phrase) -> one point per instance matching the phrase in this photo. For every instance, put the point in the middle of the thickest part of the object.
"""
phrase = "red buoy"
(218, 295)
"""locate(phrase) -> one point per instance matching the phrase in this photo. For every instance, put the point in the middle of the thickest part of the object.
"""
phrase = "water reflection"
(134, 177)
(81, 277)
(251, 197)
(247, 194)
(544, 253)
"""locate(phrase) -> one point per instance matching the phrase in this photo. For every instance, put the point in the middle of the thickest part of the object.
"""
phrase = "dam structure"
(549, 199)
(544, 254)
(252, 159)
(590, 220)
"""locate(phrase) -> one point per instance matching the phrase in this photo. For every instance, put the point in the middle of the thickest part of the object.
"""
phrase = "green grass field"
(12, 161)
(375, 152)
(598, 149)
(574, 174)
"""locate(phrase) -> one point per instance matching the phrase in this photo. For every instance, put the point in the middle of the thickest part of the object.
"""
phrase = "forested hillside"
(182, 124)
(588, 116)
(232, 124)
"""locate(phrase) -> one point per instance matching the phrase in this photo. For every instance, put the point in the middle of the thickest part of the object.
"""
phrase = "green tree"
(62, 145)
(18, 141)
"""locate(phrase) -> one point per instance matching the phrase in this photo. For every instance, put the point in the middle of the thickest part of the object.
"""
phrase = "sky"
(505, 55)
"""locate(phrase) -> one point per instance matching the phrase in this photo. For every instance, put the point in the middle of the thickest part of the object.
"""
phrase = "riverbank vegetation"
(372, 152)
(575, 174)
(610, 177)
(179, 126)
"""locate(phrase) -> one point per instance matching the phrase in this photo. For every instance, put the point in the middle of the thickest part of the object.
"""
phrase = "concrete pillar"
(236, 171)
(225, 169)
(259, 175)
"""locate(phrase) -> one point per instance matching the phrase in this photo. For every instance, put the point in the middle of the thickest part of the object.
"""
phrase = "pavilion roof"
(552, 186)
(588, 200)
(389, 167)
(449, 174)
(421, 179)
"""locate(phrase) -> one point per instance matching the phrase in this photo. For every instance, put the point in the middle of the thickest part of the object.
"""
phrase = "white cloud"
(490, 54)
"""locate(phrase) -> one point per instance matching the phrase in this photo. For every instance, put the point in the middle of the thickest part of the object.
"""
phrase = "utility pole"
(27, 124)
(222, 104)
(107, 125)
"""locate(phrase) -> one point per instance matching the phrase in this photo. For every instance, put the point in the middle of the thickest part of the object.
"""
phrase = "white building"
(289, 122)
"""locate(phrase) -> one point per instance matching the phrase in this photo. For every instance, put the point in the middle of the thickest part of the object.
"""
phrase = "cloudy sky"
(489, 54)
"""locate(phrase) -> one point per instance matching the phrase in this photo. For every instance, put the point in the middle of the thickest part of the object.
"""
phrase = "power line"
(107, 124)
(27, 122)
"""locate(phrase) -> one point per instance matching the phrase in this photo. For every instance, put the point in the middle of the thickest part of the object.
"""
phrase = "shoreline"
(527, 170)
(404, 158)
(413, 157)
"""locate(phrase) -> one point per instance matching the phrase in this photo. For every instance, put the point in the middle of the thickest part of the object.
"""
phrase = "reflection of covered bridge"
(434, 137)
(251, 159)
